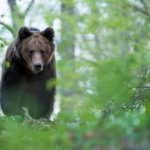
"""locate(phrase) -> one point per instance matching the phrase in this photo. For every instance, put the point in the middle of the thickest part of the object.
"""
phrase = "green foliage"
(103, 79)
(6, 64)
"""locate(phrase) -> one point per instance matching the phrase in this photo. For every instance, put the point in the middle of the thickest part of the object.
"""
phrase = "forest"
(103, 69)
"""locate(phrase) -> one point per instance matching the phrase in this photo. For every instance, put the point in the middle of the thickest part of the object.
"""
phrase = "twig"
(7, 27)
(29, 7)
(143, 10)
(3, 40)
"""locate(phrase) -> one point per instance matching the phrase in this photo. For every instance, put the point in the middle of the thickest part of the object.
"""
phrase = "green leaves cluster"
(103, 79)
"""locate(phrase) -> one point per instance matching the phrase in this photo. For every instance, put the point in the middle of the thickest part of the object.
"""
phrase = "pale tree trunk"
(67, 46)
(68, 37)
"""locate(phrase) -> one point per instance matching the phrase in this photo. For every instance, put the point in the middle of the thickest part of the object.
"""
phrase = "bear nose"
(37, 67)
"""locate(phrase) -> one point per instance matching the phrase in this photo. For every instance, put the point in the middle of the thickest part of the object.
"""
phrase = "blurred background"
(103, 66)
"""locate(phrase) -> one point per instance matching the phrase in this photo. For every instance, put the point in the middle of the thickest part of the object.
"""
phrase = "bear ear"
(48, 33)
(23, 33)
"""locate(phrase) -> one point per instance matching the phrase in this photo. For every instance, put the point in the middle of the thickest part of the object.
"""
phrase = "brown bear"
(28, 69)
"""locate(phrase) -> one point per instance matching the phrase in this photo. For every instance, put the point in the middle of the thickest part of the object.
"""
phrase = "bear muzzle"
(37, 67)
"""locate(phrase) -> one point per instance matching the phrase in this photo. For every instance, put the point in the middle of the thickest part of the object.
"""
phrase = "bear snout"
(38, 67)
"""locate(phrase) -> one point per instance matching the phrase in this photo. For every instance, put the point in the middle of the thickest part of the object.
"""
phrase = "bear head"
(35, 48)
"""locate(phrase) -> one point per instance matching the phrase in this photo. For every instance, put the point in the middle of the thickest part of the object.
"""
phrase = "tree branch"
(142, 10)
(29, 7)
(3, 40)
(7, 27)
(145, 7)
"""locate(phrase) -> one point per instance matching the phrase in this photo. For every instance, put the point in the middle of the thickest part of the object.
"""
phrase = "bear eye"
(30, 52)
(43, 52)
